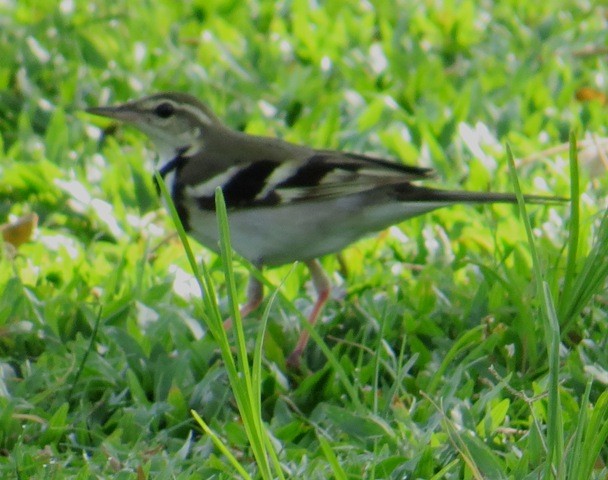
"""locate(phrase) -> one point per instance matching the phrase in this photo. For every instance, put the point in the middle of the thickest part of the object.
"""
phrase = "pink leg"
(322, 287)
(255, 295)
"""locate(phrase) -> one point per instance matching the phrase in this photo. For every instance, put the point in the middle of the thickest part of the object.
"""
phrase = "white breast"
(305, 230)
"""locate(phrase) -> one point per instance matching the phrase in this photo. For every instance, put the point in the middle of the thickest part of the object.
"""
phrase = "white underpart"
(301, 231)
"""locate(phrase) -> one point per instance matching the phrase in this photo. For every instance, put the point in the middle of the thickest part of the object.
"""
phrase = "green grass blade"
(335, 363)
(555, 431)
(591, 279)
(239, 376)
(339, 473)
(551, 329)
(581, 283)
(468, 340)
(86, 355)
(226, 255)
(482, 463)
(596, 436)
(220, 446)
(574, 463)
(247, 396)
(212, 318)
(574, 227)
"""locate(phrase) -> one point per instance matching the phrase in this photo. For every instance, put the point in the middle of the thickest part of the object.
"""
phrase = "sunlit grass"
(469, 343)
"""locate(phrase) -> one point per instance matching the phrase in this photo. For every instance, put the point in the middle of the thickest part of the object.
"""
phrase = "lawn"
(468, 343)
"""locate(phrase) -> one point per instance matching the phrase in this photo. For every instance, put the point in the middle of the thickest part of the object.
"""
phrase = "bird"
(286, 202)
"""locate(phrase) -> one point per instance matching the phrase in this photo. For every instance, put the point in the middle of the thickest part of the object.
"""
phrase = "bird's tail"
(414, 193)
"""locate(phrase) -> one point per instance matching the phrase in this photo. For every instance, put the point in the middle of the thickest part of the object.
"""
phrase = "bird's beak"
(124, 113)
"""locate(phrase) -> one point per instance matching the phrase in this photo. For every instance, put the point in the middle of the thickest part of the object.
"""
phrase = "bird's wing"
(321, 175)
(293, 174)
(329, 174)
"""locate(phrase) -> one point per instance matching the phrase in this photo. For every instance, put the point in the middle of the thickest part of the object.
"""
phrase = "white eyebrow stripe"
(197, 113)
(207, 188)
(280, 174)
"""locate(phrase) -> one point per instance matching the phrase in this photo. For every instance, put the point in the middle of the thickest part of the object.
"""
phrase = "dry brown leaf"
(20, 231)
(588, 94)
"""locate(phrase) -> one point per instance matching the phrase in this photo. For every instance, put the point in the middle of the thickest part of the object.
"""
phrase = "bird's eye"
(164, 110)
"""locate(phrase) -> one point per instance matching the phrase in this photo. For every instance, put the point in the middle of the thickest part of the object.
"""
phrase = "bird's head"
(173, 121)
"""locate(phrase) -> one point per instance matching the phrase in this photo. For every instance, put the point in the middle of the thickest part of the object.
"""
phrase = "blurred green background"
(443, 305)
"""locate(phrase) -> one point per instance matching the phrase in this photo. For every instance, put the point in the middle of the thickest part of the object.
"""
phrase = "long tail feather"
(413, 193)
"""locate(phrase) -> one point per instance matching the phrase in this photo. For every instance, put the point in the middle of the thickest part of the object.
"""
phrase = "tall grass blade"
(239, 373)
(248, 396)
(551, 329)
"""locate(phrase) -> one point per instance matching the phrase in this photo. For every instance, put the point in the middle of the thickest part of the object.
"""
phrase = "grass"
(469, 343)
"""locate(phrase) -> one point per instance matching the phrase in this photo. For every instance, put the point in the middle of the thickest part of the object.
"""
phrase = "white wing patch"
(376, 172)
(280, 174)
(336, 183)
(320, 176)
(207, 189)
